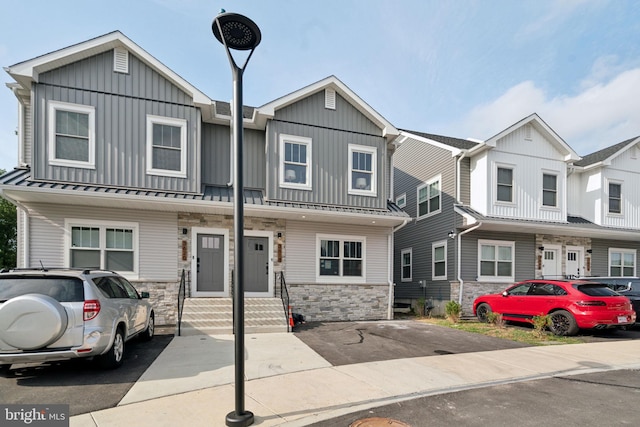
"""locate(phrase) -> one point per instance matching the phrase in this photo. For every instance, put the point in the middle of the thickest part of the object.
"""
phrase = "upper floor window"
(405, 259)
(615, 197)
(439, 260)
(166, 146)
(622, 262)
(111, 245)
(505, 185)
(295, 166)
(341, 258)
(495, 260)
(362, 170)
(549, 190)
(429, 197)
(401, 201)
(71, 135)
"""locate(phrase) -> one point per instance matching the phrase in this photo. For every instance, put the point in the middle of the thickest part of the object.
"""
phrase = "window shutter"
(330, 99)
(121, 60)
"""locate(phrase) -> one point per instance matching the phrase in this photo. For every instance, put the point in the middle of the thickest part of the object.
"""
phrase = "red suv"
(571, 305)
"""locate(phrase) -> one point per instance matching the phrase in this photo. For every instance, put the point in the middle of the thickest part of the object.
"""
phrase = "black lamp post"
(239, 33)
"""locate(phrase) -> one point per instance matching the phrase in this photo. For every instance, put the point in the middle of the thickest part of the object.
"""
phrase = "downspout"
(390, 245)
(468, 230)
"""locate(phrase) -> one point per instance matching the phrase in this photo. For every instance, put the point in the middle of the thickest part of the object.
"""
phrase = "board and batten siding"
(301, 252)
(624, 169)
(158, 237)
(122, 103)
(216, 156)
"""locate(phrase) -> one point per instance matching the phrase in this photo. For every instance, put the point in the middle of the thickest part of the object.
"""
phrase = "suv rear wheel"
(147, 334)
(114, 357)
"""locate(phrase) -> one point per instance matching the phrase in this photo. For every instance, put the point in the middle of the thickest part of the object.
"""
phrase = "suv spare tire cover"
(32, 321)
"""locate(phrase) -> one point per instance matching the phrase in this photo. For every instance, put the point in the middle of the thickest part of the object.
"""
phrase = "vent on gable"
(120, 60)
(330, 99)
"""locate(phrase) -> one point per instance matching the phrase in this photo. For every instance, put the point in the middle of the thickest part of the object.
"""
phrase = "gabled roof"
(543, 128)
(332, 82)
(28, 71)
(460, 144)
(606, 155)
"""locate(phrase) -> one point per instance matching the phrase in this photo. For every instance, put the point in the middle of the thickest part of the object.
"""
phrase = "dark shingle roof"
(463, 144)
(603, 154)
(224, 108)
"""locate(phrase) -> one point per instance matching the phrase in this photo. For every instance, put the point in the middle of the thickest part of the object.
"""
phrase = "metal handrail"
(284, 296)
(181, 298)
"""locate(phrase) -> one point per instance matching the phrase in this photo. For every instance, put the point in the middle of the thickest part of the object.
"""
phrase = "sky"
(460, 68)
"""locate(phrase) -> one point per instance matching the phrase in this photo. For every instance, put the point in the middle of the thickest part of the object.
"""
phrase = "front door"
(551, 263)
(256, 265)
(574, 262)
(210, 264)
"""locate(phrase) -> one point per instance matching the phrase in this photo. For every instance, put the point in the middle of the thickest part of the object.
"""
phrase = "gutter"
(468, 230)
(390, 246)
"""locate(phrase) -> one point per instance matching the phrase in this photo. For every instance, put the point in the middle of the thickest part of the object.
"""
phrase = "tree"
(8, 233)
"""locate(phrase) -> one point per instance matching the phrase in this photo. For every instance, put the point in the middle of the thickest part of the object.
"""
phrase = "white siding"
(300, 249)
(624, 169)
(479, 187)
(158, 237)
(574, 195)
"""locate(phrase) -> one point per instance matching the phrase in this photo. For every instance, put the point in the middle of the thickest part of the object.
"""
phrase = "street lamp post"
(237, 32)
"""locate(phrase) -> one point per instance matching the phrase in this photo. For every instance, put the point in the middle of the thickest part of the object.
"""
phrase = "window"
(549, 190)
(505, 185)
(405, 260)
(429, 197)
(295, 167)
(341, 258)
(71, 135)
(439, 256)
(362, 170)
(496, 260)
(166, 146)
(401, 200)
(615, 198)
(110, 246)
(622, 262)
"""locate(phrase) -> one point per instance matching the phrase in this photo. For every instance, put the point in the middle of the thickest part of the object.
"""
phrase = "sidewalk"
(288, 384)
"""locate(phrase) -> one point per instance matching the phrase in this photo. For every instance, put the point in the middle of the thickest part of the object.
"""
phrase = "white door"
(575, 259)
(551, 268)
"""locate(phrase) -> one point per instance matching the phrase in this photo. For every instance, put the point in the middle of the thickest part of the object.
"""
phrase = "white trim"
(438, 179)
(499, 279)
(372, 192)
(410, 252)
(69, 223)
(497, 166)
(89, 110)
(301, 140)
(195, 231)
(180, 123)
(557, 189)
(268, 234)
(623, 251)
(606, 189)
(340, 278)
(402, 197)
(434, 245)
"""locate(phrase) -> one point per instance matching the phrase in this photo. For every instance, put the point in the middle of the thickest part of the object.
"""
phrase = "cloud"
(601, 114)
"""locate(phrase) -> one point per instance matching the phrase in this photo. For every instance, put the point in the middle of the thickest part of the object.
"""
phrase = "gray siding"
(122, 103)
(600, 255)
(465, 181)
(216, 156)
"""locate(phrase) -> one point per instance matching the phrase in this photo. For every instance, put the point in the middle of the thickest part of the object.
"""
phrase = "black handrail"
(181, 297)
(284, 296)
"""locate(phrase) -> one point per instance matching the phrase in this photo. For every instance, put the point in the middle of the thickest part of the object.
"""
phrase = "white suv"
(59, 314)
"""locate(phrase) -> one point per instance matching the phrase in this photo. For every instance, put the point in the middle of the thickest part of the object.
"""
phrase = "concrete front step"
(212, 316)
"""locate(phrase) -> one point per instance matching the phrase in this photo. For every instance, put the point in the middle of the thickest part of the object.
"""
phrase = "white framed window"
(295, 162)
(406, 259)
(362, 170)
(504, 184)
(166, 146)
(401, 200)
(71, 135)
(549, 190)
(106, 245)
(622, 262)
(615, 197)
(496, 260)
(340, 258)
(429, 197)
(439, 260)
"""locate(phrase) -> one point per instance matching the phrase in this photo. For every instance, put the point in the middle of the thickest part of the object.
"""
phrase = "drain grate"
(378, 422)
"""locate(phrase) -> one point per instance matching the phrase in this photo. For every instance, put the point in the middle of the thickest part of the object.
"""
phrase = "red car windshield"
(596, 290)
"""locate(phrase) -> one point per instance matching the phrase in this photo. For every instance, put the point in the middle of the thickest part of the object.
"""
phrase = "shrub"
(495, 319)
(540, 324)
(420, 303)
(453, 310)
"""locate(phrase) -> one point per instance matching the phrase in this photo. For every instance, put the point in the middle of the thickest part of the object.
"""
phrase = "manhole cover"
(378, 422)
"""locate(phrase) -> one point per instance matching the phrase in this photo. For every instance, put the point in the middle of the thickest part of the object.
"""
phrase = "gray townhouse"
(124, 165)
(520, 205)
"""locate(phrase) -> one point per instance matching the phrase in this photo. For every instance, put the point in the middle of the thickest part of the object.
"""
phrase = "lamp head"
(236, 31)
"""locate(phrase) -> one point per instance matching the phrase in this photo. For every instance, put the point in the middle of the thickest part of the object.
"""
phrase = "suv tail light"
(91, 309)
(591, 303)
